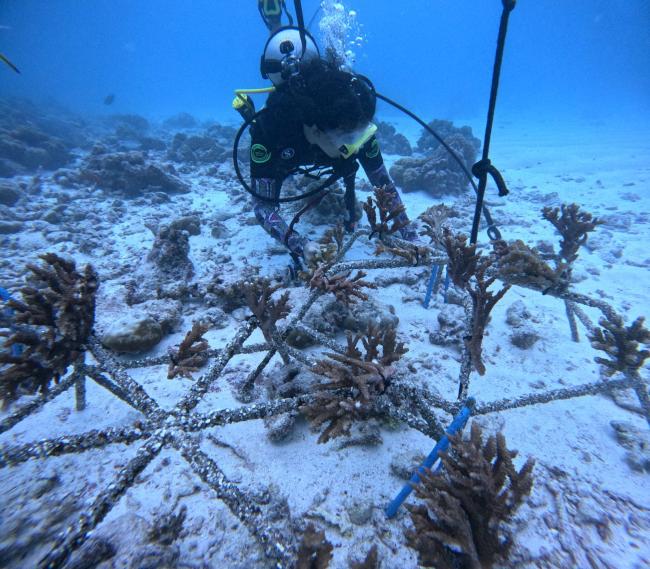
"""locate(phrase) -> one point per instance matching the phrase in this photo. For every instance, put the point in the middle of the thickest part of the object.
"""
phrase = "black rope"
(313, 18)
(284, 6)
(301, 26)
(493, 231)
(484, 167)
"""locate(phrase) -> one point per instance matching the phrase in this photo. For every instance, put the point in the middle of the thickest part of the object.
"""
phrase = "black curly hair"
(325, 96)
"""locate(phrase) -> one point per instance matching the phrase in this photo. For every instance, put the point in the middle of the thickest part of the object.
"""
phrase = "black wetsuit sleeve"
(372, 162)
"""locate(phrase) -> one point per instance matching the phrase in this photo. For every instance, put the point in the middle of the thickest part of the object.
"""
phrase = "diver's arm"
(373, 165)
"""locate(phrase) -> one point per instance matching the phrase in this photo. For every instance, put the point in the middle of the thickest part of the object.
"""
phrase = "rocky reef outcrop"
(391, 141)
(128, 173)
(437, 172)
(33, 137)
(427, 143)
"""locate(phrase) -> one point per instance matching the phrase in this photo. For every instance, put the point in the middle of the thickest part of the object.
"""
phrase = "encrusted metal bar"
(385, 406)
(79, 389)
(28, 408)
(279, 546)
(255, 348)
(76, 535)
(466, 366)
(198, 422)
(320, 338)
(69, 444)
(299, 356)
(372, 264)
(436, 284)
(139, 397)
(200, 387)
(246, 387)
(554, 395)
(584, 319)
(585, 300)
(435, 429)
(571, 316)
(98, 377)
(280, 346)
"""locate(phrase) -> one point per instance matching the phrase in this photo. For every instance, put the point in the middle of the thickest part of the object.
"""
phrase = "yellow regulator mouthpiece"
(349, 149)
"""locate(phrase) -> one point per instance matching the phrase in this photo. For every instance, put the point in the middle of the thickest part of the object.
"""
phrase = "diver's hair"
(325, 96)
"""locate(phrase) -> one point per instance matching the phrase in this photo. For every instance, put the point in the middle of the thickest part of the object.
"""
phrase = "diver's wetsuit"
(279, 147)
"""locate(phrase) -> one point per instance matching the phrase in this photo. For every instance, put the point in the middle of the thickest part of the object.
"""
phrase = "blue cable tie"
(432, 280)
(447, 280)
(458, 424)
(5, 295)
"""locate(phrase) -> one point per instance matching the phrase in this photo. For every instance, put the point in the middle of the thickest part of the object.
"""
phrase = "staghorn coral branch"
(519, 264)
(390, 213)
(54, 319)
(621, 344)
(202, 384)
(315, 552)
(573, 225)
(461, 521)
(346, 290)
(258, 295)
(191, 354)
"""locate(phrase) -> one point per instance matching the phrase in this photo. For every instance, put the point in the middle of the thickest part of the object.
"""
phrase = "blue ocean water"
(585, 58)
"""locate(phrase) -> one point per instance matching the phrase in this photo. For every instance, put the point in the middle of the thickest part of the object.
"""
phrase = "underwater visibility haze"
(277, 297)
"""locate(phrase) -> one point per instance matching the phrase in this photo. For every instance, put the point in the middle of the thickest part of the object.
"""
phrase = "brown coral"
(391, 218)
(414, 254)
(621, 344)
(51, 323)
(463, 258)
(573, 225)
(468, 270)
(460, 523)
(315, 551)
(258, 294)
(518, 264)
(345, 289)
(354, 380)
(192, 353)
(434, 219)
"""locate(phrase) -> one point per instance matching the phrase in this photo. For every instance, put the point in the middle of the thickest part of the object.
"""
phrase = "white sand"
(586, 501)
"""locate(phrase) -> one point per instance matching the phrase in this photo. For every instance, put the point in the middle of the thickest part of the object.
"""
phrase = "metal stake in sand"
(458, 424)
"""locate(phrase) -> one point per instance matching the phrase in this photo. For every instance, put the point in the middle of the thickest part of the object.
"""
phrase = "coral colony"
(460, 514)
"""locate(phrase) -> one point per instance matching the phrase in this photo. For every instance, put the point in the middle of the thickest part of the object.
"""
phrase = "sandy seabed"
(590, 505)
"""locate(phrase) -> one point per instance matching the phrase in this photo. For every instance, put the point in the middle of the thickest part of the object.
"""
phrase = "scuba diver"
(316, 115)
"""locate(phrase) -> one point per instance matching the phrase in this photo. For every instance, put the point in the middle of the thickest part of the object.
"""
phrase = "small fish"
(3, 58)
(108, 100)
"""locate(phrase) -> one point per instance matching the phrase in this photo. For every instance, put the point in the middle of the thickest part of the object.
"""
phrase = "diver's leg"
(268, 216)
